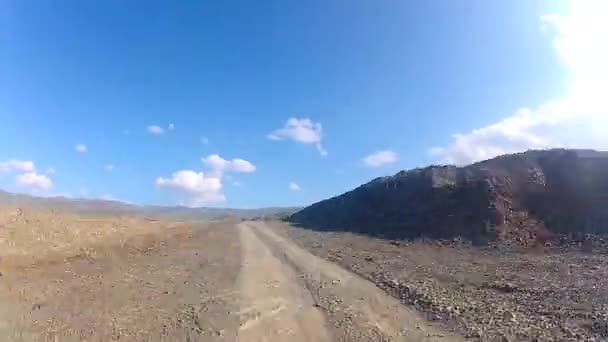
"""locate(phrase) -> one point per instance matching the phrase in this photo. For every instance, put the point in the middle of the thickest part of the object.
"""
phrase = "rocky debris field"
(497, 293)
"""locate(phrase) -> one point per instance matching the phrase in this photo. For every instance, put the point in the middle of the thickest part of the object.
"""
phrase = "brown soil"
(65, 277)
(140, 281)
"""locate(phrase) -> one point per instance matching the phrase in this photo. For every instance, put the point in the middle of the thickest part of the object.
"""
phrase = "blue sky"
(283, 102)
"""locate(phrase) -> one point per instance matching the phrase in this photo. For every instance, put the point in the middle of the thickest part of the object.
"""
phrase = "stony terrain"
(504, 293)
(513, 197)
(69, 277)
(510, 248)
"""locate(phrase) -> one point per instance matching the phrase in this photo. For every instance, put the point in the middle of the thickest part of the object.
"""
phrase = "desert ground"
(493, 293)
(66, 277)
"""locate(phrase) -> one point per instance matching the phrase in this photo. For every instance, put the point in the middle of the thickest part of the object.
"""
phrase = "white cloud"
(171, 126)
(219, 165)
(294, 186)
(203, 188)
(380, 158)
(155, 130)
(109, 167)
(580, 44)
(577, 120)
(14, 165)
(35, 181)
(50, 171)
(80, 148)
(198, 188)
(561, 123)
(27, 175)
(303, 130)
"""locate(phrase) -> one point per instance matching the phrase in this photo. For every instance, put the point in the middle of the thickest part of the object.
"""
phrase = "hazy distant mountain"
(101, 207)
(511, 196)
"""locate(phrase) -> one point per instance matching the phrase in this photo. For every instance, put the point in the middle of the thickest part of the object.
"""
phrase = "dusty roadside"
(484, 293)
(72, 278)
(167, 282)
(355, 309)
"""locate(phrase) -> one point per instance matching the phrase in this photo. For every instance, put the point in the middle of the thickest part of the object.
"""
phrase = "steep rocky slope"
(513, 197)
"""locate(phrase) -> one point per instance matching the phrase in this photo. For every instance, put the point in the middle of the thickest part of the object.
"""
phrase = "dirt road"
(274, 306)
(322, 300)
(224, 281)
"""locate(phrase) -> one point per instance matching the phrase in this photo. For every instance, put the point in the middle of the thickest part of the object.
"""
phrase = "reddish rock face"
(509, 197)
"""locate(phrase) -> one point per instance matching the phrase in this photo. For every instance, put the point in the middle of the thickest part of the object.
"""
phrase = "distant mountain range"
(110, 207)
(515, 197)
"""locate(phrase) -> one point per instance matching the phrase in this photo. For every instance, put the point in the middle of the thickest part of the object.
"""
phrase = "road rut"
(222, 281)
(282, 285)
(273, 305)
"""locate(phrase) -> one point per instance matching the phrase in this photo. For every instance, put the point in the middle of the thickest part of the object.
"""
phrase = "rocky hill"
(512, 197)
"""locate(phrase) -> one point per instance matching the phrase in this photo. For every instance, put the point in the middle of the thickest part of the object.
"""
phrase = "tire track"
(274, 306)
(370, 312)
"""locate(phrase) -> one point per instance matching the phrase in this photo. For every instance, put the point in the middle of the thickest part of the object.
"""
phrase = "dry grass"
(68, 277)
(29, 235)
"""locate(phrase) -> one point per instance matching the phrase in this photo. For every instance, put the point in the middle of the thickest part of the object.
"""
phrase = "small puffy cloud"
(155, 130)
(80, 148)
(14, 165)
(171, 126)
(109, 167)
(26, 174)
(50, 171)
(219, 165)
(300, 130)
(198, 188)
(203, 188)
(294, 186)
(380, 158)
(34, 180)
(303, 131)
